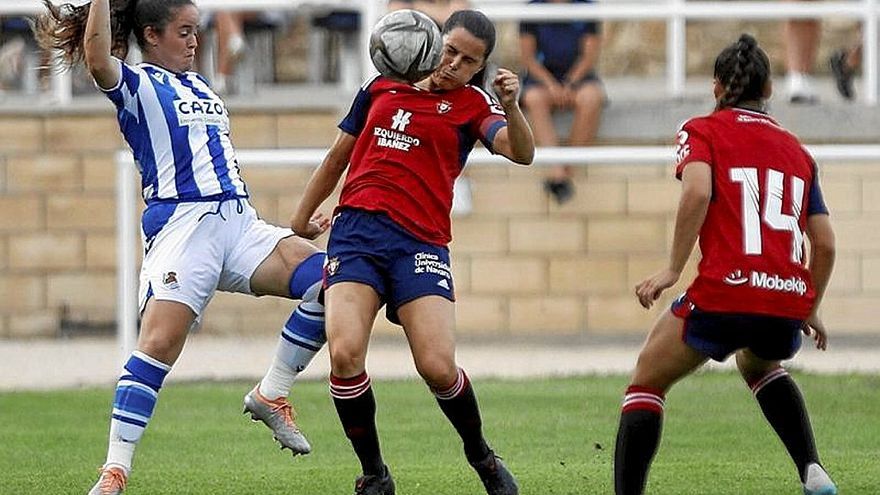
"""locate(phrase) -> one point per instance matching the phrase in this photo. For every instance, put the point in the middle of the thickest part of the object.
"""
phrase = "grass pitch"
(556, 435)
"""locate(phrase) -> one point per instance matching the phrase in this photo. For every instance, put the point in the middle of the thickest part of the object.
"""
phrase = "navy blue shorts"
(589, 77)
(372, 249)
(718, 335)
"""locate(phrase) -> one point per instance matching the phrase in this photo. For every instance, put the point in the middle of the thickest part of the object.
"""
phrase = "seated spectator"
(12, 51)
(231, 45)
(801, 45)
(560, 61)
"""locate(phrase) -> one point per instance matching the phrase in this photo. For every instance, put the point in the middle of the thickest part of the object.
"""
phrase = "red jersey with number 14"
(764, 186)
(411, 145)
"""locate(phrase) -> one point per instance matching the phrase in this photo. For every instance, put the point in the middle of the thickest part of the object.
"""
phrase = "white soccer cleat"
(111, 482)
(818, 482)
(278, 415)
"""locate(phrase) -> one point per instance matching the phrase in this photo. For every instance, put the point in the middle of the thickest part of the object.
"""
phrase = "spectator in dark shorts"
(559, 59)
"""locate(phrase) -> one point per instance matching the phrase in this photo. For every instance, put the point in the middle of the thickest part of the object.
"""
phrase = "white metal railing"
(676, 13)
(127, 194)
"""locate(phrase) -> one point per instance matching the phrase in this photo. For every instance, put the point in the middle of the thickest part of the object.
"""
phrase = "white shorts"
(193, 249)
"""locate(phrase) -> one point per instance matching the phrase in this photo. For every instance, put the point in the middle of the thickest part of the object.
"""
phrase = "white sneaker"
(800, 88)
(818, 482)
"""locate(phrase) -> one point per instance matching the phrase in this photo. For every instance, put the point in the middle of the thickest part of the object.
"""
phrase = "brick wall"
(522, 264)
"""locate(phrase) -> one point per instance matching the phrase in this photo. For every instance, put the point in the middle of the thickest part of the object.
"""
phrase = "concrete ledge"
(637, 112)
(96, 362)
(656, 122)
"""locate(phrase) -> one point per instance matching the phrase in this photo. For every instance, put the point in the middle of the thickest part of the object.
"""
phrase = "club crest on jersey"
(444, 107)
(169, 280)
(332, 266)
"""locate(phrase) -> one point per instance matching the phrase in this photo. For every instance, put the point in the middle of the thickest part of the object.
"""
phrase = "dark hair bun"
(746, 42)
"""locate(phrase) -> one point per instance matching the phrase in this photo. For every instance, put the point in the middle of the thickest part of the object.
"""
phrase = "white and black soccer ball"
(406, 45)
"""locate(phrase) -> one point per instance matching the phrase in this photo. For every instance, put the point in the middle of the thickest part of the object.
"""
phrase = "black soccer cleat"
(370, 484)
(495, 477)
(843, 75)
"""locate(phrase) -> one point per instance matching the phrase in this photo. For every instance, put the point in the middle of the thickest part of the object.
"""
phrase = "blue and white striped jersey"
(178, 130)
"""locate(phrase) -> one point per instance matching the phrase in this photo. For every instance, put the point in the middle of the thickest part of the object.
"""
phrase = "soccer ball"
(406, 45)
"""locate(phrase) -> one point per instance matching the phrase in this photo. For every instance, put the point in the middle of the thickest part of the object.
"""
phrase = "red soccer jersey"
(764, 185)
(411, 145)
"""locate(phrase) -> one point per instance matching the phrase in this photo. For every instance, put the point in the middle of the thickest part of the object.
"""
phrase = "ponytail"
(743, 69)
(63, 27)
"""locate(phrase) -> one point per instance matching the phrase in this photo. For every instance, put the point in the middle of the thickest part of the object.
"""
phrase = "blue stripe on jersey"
(816, 203)
(154, 218)
(465, 145)
(218, 154)
(137, 134)
(489, 139)
(354, 122)
(184, 178)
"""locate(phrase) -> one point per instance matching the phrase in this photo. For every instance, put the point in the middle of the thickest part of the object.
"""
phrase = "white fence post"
(870, 53)
(676, 50)
(371, 11)
(126, 254)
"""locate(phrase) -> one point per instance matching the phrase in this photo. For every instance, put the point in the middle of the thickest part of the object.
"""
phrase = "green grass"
(556, 435)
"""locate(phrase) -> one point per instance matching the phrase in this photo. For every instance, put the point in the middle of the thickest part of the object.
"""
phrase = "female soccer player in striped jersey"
(404, 145)
(200, 232)
(749, 192)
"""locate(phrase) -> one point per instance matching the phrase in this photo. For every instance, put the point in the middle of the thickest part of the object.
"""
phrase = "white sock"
(301, 338)
(120, 454)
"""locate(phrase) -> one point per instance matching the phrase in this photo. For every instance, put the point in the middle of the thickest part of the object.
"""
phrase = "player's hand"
(814, 326)
(317, 225)
(506, 86)
(649, 290)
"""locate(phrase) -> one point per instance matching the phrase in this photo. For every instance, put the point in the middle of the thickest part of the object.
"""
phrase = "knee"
(536, 99)
(438, 372)
(294, 250)
(589, 97)
(753, 370)
(646, 374)
(161, 344)
(346, 359)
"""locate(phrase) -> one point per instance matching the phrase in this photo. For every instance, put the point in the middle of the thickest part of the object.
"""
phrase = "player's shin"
(638, 436)
(136, 393)
(302, 335)
(356, 407)
(784, 408)
(459, 403)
